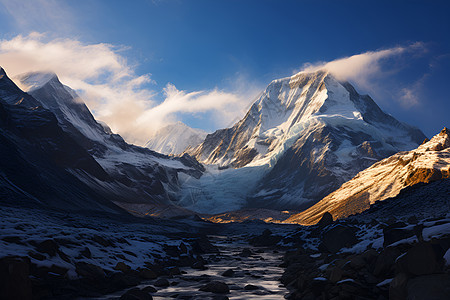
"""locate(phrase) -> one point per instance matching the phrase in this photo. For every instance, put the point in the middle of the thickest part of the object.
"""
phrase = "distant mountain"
(175, 138)
(385, 179)
(135, 178)
(302, 138)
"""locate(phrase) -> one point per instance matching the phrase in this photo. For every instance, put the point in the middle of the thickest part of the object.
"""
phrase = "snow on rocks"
(393, 259)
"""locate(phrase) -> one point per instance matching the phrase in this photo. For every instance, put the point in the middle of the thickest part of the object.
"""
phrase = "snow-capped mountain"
(140, 180)
(385, 179)
(303, 137)
(175, 138)
(39, 159)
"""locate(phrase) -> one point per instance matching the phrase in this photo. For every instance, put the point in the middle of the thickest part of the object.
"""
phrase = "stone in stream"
(251, 287)
(162, 282)
(217, 287)
(136, 294)
(228, 273)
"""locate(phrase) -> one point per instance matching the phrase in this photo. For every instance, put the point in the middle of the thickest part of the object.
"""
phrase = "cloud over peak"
(362, 68)
(111, 88)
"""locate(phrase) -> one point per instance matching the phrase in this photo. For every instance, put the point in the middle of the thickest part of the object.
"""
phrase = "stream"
(256, 274)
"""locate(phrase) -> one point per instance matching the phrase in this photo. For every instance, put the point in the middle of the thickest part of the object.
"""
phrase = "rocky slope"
(304, 137)
(385, 179)
(175, 138)
(141, 180)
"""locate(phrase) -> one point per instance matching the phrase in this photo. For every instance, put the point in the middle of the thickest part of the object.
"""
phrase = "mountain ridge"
(385, 179)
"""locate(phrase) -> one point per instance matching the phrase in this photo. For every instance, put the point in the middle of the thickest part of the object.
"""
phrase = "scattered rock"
(217, 287)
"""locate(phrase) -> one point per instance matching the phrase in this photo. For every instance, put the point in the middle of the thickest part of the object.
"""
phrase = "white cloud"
(361, 68)
(408, 97)
(112, 90)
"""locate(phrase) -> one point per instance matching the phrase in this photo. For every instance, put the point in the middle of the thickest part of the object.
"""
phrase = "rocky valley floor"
(53, 255)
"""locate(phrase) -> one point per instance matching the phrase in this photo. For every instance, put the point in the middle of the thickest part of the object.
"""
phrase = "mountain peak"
(34, 80)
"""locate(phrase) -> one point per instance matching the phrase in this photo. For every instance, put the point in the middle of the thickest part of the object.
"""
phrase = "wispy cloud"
(112, 89)
(362, 68)
(43, 15)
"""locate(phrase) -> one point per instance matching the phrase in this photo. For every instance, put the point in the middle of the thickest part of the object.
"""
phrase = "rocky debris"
(405, 267)
(217, 287)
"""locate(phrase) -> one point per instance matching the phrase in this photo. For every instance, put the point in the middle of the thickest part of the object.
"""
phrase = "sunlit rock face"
(300, 140)
(386, 178)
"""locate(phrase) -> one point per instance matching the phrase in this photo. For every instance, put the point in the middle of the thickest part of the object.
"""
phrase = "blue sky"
(217, 55)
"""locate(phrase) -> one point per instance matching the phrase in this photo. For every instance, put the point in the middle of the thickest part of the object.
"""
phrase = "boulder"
(327, 219)
(384, 264)
(14, 278)
(266, 239)
(394, 233)
(89, 271)
(429, 287)
(136, 294)
(421, 259)
(162, 282)
(123, 267)
(397, 287)
(48, 246)
(251, 287)
(217, 287)
(147, 274)
(338, 237)
(203, 245)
